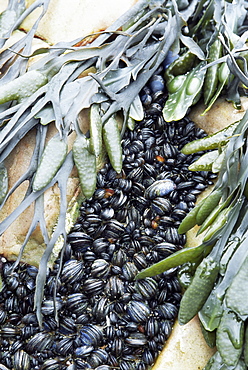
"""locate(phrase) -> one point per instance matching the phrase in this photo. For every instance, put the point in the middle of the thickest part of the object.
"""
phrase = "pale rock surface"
(67, 20)
(219, 116)
(3, 5)
(186, 348)
(13, 238)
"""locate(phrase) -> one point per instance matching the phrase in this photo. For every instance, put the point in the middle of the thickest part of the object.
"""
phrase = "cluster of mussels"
(107, 319)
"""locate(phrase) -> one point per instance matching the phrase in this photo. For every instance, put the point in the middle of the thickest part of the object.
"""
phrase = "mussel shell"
(100, 309)
(21, 360)
(48, 306)
(9, 331)
(79, 241)
(165, 249)
(138, 311)
(91, 335)
(160, 188)
(65, 346)
(98, 357)
(140, 260)
(167, 311)
(107, 213)
(136, 340)
(147, 287)
(119, 258)
(129, 271)
(152, 327)
(113, 229)
(148, 356)
(100, 268)
(72, 271)
(103, 367)
(84, 351)
(39, 342)
(76, 303)
(114, 287)
(93, 286)
(67, 326)
(156, 83)
(161, 206)
(3, 315)
(51, 364)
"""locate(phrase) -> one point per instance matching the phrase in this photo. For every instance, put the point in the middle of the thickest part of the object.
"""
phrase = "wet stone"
(106, 319)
